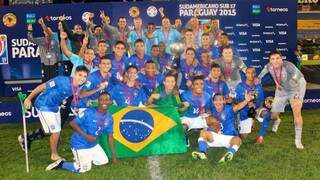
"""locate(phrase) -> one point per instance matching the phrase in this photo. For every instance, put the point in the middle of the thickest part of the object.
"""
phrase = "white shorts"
(85, 157)
(282, 98)
(245, 126)
(220, 140)
(50, 121)
(194, 123)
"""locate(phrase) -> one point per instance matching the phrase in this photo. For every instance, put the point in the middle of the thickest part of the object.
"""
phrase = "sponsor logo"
(31, 18)
(242, 25)
(244, 58)
(277, 9)
(3, 49)
(255, 42)
(268, 33)
(268, 27)
(243, 50)
(269, 41)
(5, 114)
(282, 43)
(282, 32)
(9, 20)
(56, 18)
(265, 58)
(230, 34)
(282, 49)
(256, 9)
(152, 11)
(228, 27)
(256, 50)
(255, 35)
(308, 1)
(243, 33)
(257, 66)
(311, 100)
(242, 44)
(281, 24)
(18, 88)
(231, 42)
(256, 24)
(22, 48)
(267, 52)
(255, 60)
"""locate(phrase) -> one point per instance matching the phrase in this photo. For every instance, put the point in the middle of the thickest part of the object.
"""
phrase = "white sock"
(277, 122)
(298, 133)
(235, 147)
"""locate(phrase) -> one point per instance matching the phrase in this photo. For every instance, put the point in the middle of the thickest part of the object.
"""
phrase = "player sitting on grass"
(225, 115)
(213, 137)
(88, 125)
(196, 102)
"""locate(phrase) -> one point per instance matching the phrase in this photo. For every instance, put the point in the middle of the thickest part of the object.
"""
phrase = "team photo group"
(190, 68)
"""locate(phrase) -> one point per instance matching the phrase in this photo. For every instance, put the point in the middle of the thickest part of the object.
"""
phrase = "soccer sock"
(233, 149)
(37, 134)
(202, 145)
(298, 132)
(265, 124)
(70, 167)
(277, 122)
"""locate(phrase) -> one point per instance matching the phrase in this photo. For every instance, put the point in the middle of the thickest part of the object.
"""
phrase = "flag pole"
(22, 97)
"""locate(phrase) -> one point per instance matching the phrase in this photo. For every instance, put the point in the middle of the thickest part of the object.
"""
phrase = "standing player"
(188, 67)
(129, 93)
(248, 112)
(290, 86)
(88, 125)
(214, 84)
(204, 66)
(52, 93)
(140, 58)
(196, 103)
(119, 61)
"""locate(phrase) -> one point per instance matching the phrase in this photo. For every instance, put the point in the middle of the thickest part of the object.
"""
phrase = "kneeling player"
(88, 125)
(212, 137)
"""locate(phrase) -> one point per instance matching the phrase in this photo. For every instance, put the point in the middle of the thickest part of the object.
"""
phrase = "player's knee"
(235, 141)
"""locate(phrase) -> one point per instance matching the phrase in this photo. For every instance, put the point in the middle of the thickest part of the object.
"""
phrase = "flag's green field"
(276, 159)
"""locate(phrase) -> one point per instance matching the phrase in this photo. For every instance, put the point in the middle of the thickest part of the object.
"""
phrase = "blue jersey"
(227, 120)
(167, 38)
(118, 67)
(198, 104)
(134, 60)
(203, 70)
(187, 72)
(57, 89)
(124, 95)
(134, 35)
(257, 90)
(212, 88)
(96, 60)
(150, 83)
(164, 62)
(93, 123)
(214, 52)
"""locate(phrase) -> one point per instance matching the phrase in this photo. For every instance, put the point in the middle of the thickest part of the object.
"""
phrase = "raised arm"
(63, 44)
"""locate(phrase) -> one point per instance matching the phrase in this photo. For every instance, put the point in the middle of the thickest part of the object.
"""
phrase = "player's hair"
(151, 24)
(198, 77)
(171, 74)
(104, 93)
(154, 46)
(224, 34)
(105, 58)
(138, 41)
(131, 66)
(216, 95)
(137, 18)
(122, 17)
(226, 47)
(96, 26)
(82, 69)
(274, 53)
(190, 49)
(205, 34)
(165, 17)
(150, 62)
(215, 65)
(102, 41)
(188, 30)
(120, 42)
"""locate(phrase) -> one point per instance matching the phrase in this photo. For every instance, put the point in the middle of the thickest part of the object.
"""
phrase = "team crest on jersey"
(52, 83)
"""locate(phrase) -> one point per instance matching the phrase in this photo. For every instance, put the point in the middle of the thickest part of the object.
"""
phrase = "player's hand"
(62, 18)
(27, 103)
(189, 83)
(60, 28)
(155, 96)
(85, 40)
(257, 81)
(102, 15)
(63, 35)
(90, 138)
(186, 104)
(248, 96)
(29, 27)
(103, 85)
(40, 21)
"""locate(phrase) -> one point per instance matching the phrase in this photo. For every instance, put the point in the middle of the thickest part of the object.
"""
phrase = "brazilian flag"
(145, 131)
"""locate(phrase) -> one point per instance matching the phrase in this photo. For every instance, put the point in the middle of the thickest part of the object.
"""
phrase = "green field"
(276, 159)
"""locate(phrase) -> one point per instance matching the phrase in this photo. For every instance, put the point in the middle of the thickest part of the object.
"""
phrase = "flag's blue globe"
(136, 126)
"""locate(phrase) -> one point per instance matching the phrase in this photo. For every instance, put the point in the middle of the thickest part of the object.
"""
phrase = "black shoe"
(21, 142)
(55, 165)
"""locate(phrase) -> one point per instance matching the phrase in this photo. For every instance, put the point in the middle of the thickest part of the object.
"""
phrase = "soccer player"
(135, 34)
(248, 112)
(140, 58)
(230, 66)
(164, 58)
(102, 47)
(52, 93)
(263, 115)
(151, 79)
(196, 102)
(207, 46)
(225, 135)
(129, 93)
(204, 66)
(119, 61)
(213, 84)
(188, 65)
(290, 86)
(98, 82)
(155, 51)
(88, 125)
(212, 137)
(74, 58)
